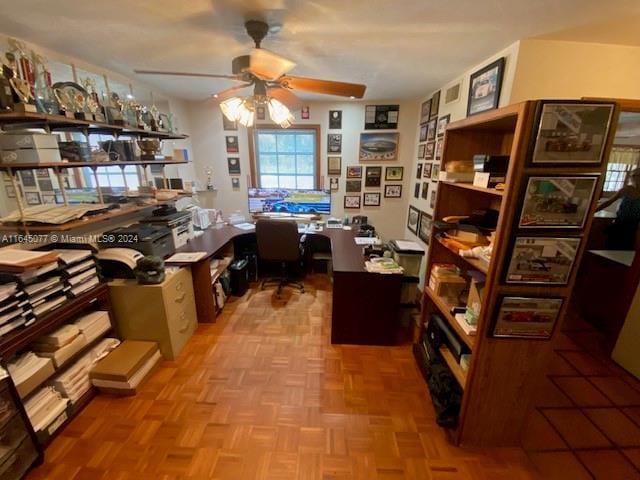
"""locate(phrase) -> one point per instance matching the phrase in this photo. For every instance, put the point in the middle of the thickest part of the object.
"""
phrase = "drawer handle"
(184, 324)
(180, 298)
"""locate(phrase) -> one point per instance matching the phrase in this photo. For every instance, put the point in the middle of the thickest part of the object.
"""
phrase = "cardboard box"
(30, 155)
(34, 381)
(28, 140)
(131, 386)
(124, 362)
(448, 287)
(474, 302)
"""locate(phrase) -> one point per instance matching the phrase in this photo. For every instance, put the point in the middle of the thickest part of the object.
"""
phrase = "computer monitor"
(287, 200)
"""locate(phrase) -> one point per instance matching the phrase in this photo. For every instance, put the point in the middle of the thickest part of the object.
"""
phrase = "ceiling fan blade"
(229, 92)
(267, 65)
(186, 74)
(291, 101)
(328, 87)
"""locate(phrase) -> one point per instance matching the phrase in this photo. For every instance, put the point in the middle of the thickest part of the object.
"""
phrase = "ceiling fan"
(266, 72)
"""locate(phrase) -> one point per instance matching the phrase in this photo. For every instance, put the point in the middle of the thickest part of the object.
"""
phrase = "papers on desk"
(186, 257)
(367, 241)
(406, 245)
(383, 265)
(245, 226)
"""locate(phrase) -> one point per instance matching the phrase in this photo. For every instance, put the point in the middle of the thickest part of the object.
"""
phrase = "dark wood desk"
(366, 305)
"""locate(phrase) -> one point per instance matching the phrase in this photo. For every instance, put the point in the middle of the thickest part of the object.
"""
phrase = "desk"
(366, 305)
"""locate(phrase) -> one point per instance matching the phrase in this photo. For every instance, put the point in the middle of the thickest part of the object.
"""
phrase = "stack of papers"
(93, 325)
(61, 337)
(79, 270)
(54, 214)
(44, 407)
(74, 382)
(15, 310)
(25, 366)
(18, 260)
(383, 265)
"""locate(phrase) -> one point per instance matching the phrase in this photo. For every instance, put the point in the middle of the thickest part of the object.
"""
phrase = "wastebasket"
(239, 277)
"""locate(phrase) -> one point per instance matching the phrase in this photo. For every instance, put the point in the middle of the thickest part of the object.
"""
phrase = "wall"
(558, 69)
(207, 137)
(626, 349)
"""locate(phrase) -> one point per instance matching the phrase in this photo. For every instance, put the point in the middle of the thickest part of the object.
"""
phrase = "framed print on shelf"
(419, 171)
(381, 117)
(393, 174)
(353, 186)
(354, 171)
(373, 175)
(484, 88)
(557, 202)
(412, 219)
(421, 150)
(231, 142)
(435, 104)
(424, 227)
(378, 146)
(352, 201)
(424, 128)
(393, 191)
(416, 190)
(426, 171)
(233, 165)
(542, 260)
(335, 119)
(430, 151)
(425, 190)
(334, 165)
(442, 125)
(526, 317)
(425, 111)
(334, 143)
(570, 132)
(371, 199)
(333, 184)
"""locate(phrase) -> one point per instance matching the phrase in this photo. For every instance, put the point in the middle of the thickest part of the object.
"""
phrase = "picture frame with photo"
(334, 143)
(231, 142)
(393, 190)
(353, 186)
(425, 225)
(484, 88)
(432, 202)
(27, 178)
(48, 198)
(526, 317)
(431, 129)
(354, 171)
(439, 147)
(334, 165)
(11, 192)
(393, 174)
(335, 119)
(352, 201)
(421, 151)
(32, 198)
(373, 176)
(435, 104)
(334, 184)
(430, 151)
(425, 190)
(233, 165)
(425, 111)
(42, 173)
(442, 125)
(412, 219)
(419, 171)
(381, 117)
(305, 112)
(416, 190)
(371, 199)
(570, 132)
(424, 129)
(426, 171)
(435, 172)
(235, 182)
(228, 125)
(261, 113)
(542, 260)
(378, 146)
(45, 185)
(557, 201)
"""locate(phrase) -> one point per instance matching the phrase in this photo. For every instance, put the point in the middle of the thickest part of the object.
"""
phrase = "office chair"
(278, 242)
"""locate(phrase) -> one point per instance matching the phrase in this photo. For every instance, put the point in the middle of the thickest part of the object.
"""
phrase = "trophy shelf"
(66, 165)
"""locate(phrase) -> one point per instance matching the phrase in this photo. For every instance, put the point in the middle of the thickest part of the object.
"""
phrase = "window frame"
(253, 161)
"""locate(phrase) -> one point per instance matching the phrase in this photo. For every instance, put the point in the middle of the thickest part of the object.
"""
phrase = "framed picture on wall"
(27, 178)
(392, 191)
(425, 225)
(32, 198)
(45, 185)
(378, 146)
(231, 142)
(421, 150)
(393, 174)
(335, 119)
(484, 88)
(48, 198)
(442, 125)
(373, 175)
(424, 128)
(526, 317)
(334, 143)
(352, 201)
(42, 173)
(371, 199)
(431, 130)
(419, 171)
(235, 183)
(416, 190)
(426, 171)
(557, 202)
(425, 190)
(353, 186)
(11, 192)
(435, 104)
(412, 219)
(432, 202)
(571, 132)
(228, 125)
(430, 151)
(305, 113)
(333, 184)
(354, 171)
(435, 172)
(425, 111)
(542, 260)
(233, 164)
(381, 117)
(261, 114)
(334, 165)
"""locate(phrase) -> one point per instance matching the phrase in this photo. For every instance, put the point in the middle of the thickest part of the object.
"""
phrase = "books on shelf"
(462, 321)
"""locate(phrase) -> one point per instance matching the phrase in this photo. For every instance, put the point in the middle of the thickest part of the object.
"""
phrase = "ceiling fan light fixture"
(279, 113)
(231, 108)
(247, 113)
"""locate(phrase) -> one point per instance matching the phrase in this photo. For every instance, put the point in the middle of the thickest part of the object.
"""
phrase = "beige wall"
(626, 349)
(558, 69)
(209, 150)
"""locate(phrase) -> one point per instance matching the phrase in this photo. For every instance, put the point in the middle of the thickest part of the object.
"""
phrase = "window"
(286, 158)
(621, 161)
(109, 176)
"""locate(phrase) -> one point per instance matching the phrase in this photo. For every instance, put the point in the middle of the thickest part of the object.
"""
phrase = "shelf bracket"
(63, 190)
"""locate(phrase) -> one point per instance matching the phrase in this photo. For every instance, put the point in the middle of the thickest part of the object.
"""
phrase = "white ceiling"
(398, 48)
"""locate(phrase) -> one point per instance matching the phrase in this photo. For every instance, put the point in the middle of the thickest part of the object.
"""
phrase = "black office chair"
(278, 242)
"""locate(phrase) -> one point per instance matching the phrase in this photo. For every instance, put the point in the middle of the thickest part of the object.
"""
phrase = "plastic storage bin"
(239, 277)
(409, 259)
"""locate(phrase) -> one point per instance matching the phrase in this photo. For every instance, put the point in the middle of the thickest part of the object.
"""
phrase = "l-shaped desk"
(365, 306)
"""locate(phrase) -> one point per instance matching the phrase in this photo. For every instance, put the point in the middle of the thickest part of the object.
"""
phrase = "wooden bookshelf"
(456, 369)
(67, 165)
(475, 263)
(471, 186)
(445, 310)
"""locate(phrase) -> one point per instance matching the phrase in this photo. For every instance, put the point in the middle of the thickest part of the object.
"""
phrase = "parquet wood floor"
(262, 394)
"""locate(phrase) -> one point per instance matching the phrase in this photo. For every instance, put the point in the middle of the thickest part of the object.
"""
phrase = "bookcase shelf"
(444, 309)
(456, 369)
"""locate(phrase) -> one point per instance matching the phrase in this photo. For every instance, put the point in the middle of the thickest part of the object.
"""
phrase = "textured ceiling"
(399, 49)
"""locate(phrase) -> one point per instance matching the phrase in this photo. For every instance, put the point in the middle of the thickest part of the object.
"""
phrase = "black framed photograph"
(425, 111)
(419, 171)
(371, 199)
(352, 201)
(381, 117)
(571, 132)
(416, 190)
(412, 219)
(426, 171)
(231, 142)
(557, 202)
(424, 128)
(27, 178)
(228, 125)
(334, 165)
(333, 184)
(235, 182)
(45, 185)
(421, 150)
(393, 191)
(335, 119)
(261, 114)
(526, 317)
(430, 151)
(42, 173)
(425, 190)
(393, 174)
(432, 202)
(439, 147)
(431, 129)
(442, 125)
(233, 164)
(425, 224)
(542, 260)
(305, 112)
(373, 175)
(32, 198)
(378, 146)
(354, 171)
(353, 186)
(435, 104)
(484, 88)
(435, 172)
(334, 143)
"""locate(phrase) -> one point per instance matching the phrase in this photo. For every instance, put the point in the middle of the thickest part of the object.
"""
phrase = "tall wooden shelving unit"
(499, 385)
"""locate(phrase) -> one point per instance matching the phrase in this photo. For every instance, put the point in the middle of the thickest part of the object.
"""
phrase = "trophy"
(93, 100)
(113, 110)
(150, 148)
(21, 90)
(44, 96)
(66, 101)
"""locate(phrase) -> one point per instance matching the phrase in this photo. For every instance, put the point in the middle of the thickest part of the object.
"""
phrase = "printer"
(147, 239)
(180, 223)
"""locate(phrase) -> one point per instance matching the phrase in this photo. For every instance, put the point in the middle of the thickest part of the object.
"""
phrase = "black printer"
(147, 239)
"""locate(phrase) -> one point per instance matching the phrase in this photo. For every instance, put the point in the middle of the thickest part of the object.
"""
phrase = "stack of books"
(61, 344)
(15, 310)
(79, 270)
(44, 407)
(93, 324)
